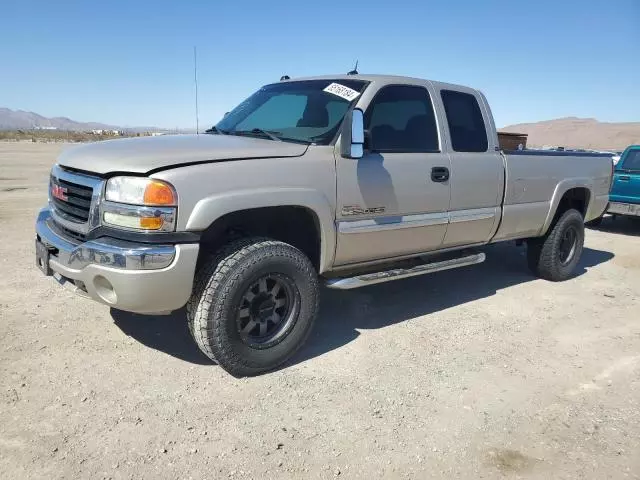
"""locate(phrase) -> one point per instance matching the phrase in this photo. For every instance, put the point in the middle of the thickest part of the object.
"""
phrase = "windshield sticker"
(342, 91)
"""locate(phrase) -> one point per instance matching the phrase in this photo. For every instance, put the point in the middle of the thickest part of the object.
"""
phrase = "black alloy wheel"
(267, 310)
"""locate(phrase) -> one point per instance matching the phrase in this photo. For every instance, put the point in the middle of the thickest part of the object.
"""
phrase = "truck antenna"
(355, 70)
(195, 81)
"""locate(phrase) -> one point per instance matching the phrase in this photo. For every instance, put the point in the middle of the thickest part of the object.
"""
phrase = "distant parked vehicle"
(625, 191)
(624, 198)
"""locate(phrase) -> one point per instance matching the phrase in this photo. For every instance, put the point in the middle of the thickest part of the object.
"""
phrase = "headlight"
(140, 191)
(138, 203)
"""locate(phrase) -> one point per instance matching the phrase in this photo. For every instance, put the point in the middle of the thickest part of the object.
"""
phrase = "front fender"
(209, 209)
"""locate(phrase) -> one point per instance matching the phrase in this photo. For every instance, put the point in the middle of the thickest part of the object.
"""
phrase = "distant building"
(44, 128)
(512, 141)
(114, 133)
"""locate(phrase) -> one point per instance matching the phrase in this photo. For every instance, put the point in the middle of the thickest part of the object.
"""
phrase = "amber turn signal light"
(158, 193)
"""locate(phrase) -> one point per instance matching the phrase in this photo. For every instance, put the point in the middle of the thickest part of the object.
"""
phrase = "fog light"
(130, 221)
(138, 217)
(104, 289)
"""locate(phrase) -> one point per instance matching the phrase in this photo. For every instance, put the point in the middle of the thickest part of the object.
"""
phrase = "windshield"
(630, 161)
(309, 111)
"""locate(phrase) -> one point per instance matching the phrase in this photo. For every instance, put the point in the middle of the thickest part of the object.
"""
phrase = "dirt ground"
(484, 372)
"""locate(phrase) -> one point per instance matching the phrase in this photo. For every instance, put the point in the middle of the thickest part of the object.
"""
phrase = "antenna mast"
(195, 81)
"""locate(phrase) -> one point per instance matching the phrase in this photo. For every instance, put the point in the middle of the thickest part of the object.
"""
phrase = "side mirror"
(352, 140)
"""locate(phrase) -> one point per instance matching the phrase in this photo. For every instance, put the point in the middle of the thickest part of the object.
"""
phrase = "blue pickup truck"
(624, 198)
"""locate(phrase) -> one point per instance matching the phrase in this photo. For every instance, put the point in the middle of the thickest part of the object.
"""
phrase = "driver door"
(394, 201)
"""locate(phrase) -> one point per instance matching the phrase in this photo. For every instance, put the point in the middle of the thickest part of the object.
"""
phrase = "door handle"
(624, 178)
(439, 174)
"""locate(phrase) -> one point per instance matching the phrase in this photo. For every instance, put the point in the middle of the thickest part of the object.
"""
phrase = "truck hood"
(144, 154)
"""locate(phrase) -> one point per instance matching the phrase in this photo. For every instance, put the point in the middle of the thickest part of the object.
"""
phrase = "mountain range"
(22, 120)
(573, 132)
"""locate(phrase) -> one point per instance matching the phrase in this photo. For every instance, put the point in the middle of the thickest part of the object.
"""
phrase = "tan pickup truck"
(345, 180)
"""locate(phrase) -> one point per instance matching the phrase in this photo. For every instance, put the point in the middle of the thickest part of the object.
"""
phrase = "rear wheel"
(253, 305)
(555, 256)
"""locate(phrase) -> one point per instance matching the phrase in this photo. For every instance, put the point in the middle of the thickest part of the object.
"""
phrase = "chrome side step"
(397, 273)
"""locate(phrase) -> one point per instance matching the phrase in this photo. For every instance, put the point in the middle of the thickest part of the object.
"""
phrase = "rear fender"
(561, 188)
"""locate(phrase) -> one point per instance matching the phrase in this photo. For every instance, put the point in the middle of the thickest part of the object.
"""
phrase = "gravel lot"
(484, 372)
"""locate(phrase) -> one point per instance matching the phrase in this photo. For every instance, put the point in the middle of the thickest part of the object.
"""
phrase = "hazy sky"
(131, 62)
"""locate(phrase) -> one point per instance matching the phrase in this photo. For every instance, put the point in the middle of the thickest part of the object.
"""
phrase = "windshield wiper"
(296, 140)
(217, 130)
(258, 131)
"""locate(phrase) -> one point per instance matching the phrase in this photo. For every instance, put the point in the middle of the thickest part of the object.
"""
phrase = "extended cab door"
(477, 168)
(394, 200)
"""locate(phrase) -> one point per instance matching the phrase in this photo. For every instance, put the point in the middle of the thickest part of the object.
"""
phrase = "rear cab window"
(464, 118)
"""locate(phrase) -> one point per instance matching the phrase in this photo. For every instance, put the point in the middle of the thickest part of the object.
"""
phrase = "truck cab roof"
(389, 79)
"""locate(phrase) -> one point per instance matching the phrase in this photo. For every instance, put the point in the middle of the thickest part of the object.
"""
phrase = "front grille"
(72, 200)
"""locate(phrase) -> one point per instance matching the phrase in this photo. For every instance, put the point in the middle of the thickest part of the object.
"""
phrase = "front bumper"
(130, 276)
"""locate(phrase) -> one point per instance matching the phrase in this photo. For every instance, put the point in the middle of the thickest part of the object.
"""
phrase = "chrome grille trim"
(96, 184)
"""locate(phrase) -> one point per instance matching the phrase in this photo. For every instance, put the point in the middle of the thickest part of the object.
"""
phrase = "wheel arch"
(570, 193)
(301, 217)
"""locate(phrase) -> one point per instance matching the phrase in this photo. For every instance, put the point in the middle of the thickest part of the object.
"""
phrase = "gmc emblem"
(59, 192)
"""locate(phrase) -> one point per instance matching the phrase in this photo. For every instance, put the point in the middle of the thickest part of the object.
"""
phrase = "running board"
(398, 273)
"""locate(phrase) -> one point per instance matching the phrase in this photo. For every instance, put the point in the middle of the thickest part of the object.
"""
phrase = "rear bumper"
(622, 208)
(129, 276)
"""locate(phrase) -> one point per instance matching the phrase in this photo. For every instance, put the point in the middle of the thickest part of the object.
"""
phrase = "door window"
(631, 161)
(401, 119)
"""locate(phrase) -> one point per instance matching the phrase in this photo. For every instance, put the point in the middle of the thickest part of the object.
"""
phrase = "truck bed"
(535, 181)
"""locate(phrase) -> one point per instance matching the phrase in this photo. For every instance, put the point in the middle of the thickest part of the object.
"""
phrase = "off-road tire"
(543, 253)
(213, 306)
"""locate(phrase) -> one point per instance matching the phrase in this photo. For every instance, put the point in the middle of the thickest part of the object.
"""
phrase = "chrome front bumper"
(106, 251)
(130, 276)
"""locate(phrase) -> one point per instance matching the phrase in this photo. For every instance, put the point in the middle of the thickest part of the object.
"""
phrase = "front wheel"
(555, 256)
(253, 305)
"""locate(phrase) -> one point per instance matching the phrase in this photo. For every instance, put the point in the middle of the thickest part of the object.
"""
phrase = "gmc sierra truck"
(345, 180)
